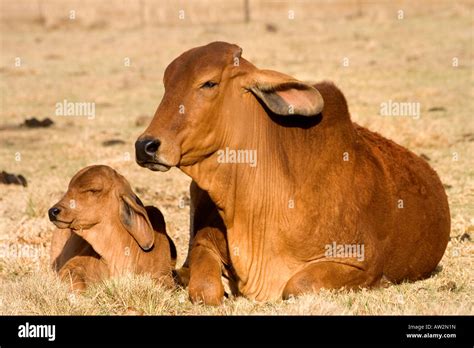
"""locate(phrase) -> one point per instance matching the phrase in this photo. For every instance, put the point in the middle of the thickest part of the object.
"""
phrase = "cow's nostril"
(145, 150)
(53, 213)
(151, 147)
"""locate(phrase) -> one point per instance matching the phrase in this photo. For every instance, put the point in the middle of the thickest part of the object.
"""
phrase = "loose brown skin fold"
(349, 186)
(105, 231)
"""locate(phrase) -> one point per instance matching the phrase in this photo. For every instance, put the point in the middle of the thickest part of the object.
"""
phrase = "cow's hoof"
(209, 292)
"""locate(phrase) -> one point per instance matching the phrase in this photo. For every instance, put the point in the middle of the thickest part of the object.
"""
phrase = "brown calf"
(105, 231)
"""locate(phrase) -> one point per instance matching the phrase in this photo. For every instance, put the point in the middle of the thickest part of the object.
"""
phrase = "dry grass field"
(370, 49)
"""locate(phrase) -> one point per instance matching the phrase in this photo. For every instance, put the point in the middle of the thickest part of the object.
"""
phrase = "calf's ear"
(285, 95)
(134, 219)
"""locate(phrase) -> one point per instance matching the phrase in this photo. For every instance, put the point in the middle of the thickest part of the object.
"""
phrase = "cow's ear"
(284, 95)
(134, 218)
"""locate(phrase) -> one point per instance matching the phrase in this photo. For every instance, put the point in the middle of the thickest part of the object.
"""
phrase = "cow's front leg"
(205, 284)
(328, 275)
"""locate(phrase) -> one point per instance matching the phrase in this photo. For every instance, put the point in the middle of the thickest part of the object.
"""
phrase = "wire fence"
(142, 13)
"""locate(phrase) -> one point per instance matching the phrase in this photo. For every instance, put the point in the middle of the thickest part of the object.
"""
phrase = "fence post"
(247, 11)
(142, 13)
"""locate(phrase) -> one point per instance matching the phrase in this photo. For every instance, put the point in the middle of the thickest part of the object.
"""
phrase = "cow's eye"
(209, 84)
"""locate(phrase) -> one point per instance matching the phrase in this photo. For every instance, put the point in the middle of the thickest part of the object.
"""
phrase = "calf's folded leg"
(80, 271)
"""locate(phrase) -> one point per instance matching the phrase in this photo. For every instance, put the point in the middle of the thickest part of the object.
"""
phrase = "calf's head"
(98, 199)
(207, 90)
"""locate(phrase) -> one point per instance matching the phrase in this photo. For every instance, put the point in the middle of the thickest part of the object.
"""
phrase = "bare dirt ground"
(371, 50)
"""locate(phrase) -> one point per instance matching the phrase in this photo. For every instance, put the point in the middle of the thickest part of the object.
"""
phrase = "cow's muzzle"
(146, 150)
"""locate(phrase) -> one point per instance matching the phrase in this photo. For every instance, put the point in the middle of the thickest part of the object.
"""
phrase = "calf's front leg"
(80, 271)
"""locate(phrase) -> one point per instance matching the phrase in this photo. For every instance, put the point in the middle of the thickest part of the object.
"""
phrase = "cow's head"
(205, 90)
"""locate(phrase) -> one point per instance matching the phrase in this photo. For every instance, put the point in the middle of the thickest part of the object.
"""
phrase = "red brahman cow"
(325, 203)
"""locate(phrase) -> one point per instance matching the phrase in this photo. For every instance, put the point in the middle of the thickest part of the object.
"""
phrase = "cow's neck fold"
(286, 157)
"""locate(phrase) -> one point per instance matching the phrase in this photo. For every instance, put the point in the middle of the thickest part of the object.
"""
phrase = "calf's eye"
(94, 190)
